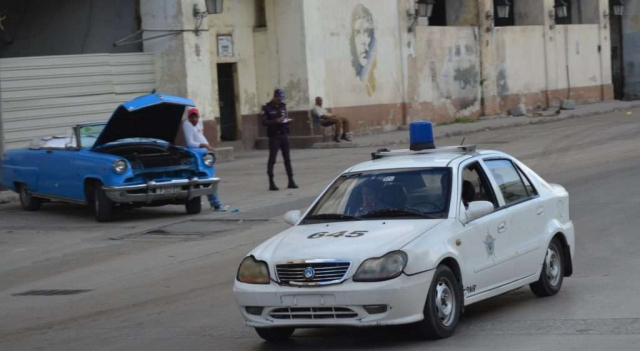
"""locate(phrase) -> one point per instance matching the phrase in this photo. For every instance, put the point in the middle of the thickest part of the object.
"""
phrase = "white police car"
(410, 237)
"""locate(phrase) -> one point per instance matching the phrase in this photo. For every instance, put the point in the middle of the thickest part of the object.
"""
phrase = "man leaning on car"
(193, 130)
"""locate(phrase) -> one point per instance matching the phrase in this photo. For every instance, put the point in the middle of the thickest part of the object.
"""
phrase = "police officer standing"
(274, 116)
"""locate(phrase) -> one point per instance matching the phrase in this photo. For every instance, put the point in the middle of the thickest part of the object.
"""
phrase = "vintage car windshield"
(414, 193)
(90, 133)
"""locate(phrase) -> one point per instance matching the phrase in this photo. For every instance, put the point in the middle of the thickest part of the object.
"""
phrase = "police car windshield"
(415, 193)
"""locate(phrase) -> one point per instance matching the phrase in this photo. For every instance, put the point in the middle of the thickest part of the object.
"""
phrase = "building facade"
(373, 61)
(377, 64)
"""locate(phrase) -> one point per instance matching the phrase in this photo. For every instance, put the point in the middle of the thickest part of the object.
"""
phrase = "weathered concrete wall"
(462, 12)
(445, 78)
(519, 66)
(67, 27)
(183, 58)
(287, 34)
(576, 45)
(238, 20)
(523, 76)
(354, 60)
(529, 13)
(631, 49)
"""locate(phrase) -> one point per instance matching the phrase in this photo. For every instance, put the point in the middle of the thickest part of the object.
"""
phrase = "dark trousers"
(279, 142)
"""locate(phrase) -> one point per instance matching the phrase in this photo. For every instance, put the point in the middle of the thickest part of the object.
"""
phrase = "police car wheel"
(275, 334)
(552, 274)
(443, 306)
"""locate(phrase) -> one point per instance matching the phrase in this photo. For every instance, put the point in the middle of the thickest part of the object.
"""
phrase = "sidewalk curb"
(8, 196)
(478, 127)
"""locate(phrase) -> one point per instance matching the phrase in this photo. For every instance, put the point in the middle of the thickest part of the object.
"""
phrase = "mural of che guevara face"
(364, 46)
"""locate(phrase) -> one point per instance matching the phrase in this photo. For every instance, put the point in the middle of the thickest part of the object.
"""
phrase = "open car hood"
(155, 116)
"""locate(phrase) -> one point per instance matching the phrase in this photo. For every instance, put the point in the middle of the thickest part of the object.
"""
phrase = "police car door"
(526, 213)
(484, 242)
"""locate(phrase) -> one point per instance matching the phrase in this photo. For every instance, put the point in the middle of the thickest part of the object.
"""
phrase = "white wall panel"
(46, 95)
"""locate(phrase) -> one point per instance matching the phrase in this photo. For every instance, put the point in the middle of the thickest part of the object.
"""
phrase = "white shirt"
(319, 111)
(194, 135)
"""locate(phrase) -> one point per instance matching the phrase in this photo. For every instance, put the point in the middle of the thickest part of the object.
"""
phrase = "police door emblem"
(309, 273)
(489, 244)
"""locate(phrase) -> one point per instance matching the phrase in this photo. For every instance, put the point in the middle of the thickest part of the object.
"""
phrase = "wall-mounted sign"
(225, 46)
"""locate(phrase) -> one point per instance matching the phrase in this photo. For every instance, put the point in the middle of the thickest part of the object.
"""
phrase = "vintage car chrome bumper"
(154, 191)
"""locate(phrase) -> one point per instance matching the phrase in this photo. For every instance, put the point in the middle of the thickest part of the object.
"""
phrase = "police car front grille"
(325, 272)
(313, 313)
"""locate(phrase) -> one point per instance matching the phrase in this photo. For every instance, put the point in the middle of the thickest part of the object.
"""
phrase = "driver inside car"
(371, 193)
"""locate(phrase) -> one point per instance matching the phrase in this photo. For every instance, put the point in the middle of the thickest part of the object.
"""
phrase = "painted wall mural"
(364, 47)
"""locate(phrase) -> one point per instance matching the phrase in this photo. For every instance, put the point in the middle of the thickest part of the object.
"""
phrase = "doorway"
(617, 66)
(227, 100)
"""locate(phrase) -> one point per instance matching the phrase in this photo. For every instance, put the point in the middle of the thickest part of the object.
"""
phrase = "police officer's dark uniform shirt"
(270, 114)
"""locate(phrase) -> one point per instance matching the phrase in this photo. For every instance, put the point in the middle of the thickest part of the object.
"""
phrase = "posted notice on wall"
(225, 46)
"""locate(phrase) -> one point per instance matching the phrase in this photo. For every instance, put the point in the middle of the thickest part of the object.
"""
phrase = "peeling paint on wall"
(249, 101)
(297, 94)
(502, 82)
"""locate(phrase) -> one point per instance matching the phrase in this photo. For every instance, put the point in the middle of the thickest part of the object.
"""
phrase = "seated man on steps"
(328, 119)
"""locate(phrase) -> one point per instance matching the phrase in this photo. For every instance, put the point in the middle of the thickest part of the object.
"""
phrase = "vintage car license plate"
(168, 190)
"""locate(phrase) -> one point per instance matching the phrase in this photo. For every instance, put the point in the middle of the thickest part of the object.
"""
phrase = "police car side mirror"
(292, 217)
(478, 209)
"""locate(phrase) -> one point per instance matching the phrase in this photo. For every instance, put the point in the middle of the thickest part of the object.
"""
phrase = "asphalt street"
(158, 279)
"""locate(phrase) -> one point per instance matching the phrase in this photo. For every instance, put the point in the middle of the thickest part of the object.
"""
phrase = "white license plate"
(168, 190)
(308, 300)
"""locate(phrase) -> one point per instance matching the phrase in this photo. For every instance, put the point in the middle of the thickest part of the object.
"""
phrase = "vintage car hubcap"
(445, 302)
(553, 266)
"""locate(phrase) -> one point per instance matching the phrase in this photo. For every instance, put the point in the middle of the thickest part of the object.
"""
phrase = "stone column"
(490, 99)
(183, 57)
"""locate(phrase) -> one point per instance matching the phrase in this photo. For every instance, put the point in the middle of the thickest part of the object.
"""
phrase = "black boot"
(345, 137)
(292, 184)
(272, 186)
(336, 139)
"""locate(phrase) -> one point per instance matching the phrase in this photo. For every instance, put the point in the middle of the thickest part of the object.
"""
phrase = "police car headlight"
(120, 166)
(382, 268)
(209, 159)
(252, 271)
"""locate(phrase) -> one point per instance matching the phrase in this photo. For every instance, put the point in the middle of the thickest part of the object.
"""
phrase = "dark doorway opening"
(227, 99)
(617, 63)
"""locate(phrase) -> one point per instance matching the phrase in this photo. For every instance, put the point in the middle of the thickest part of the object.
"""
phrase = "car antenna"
(463, 139)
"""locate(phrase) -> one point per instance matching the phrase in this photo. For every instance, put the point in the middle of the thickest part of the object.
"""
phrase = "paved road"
(161, 280)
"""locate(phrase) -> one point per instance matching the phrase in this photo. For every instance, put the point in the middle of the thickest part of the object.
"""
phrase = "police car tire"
(193, 206)
(431, 327)
(27, 200)
(275, 334)
(543, 287)
(103, 206)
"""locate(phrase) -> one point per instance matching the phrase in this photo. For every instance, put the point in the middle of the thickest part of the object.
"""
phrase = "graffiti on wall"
(460, 76)
(364, 47)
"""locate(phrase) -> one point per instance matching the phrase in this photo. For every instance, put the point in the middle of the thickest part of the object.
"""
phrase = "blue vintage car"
(128, 162)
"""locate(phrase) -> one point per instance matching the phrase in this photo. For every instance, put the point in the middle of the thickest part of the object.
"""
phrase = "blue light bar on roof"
(421, 136)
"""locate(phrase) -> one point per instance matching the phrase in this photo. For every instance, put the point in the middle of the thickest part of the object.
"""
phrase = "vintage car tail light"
(120, 166)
